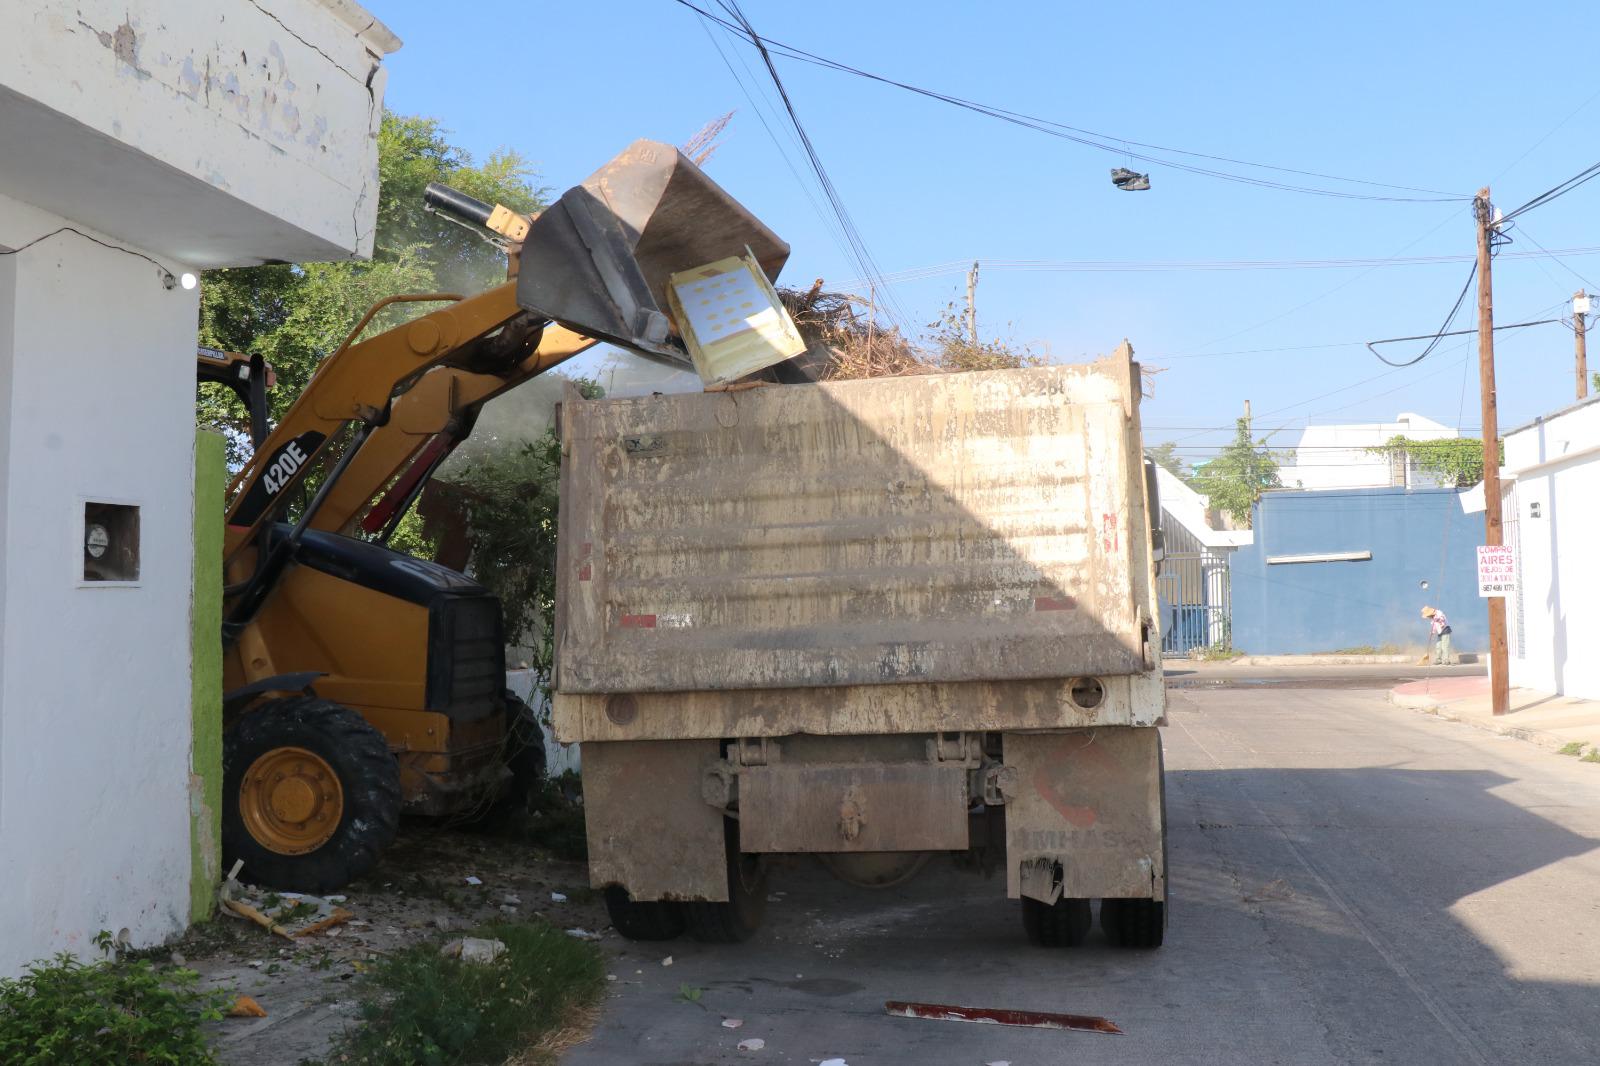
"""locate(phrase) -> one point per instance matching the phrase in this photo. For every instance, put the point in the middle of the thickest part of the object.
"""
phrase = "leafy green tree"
(1454, 461)
(509, 500)
(1235, 479)
(295, 314)
(1166, 455)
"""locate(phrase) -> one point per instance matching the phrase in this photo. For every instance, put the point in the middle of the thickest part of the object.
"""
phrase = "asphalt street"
(1351, 882)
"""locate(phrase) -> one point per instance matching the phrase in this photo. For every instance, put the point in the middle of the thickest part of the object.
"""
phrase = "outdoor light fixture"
(1129, 180)
(731, 319)
(188, 281)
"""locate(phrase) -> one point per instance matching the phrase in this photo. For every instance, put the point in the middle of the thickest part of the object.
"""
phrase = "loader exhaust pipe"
(598, 260)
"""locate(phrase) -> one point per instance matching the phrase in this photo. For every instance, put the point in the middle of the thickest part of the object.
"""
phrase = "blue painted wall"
(1414, 536)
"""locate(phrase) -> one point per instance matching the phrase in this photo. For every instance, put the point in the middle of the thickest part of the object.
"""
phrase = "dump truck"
(360, 682)
(873, 621)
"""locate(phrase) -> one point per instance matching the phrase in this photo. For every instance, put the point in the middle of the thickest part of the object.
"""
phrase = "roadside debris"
(477, 950)
(833, 1062)
(754, 1043)
(998, 1016)
(557, 897)
(667, 961)
(246, 1007)
(469, 879)
(291, 915)
(732, 1023)
(582, 934)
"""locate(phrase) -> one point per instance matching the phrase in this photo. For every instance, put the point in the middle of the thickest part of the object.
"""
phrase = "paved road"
(1352, 883)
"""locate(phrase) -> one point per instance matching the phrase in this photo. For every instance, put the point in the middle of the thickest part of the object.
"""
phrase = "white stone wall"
(1555, 618)
(96, 379)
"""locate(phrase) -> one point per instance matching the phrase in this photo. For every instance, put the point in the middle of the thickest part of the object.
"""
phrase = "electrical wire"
(166, 273)
(1556, 256)
(1434, 339)
(862, 255)
(1112, 266)
(1092, 139)
(1555, 192)
(828, 223)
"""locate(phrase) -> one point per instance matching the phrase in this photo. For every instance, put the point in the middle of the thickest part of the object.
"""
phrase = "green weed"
(1574, 748)
(107, 1013)
(1593, 755)
(422, 1009)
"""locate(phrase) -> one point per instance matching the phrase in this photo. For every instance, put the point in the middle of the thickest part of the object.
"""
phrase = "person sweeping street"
(1440, 624)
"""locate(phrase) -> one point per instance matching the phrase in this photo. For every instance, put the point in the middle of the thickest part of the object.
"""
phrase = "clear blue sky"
(1444, 96)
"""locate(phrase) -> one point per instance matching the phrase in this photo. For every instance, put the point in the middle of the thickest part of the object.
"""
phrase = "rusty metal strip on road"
(1034, 1019)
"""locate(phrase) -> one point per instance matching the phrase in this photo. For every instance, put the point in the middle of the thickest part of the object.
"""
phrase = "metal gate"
(1194, 588)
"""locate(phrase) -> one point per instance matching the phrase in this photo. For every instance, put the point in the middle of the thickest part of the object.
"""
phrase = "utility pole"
(972, 304)
(1499, 678)
(1580, 327)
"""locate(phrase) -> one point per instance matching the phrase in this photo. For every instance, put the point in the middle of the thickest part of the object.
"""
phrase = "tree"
(1235, 479)
(509, 500)
(1454, 461)
(295, 314)
(1166, 455)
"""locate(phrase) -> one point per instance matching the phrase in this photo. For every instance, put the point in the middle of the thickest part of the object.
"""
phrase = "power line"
(1435, 338)
(863, 257)
(1556, 256)
(1092, 139)
(1555, 192)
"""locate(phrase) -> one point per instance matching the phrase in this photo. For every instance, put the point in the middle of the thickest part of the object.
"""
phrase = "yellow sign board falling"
(731, 319)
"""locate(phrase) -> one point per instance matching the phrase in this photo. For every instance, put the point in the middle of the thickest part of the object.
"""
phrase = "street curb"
(1548, 741)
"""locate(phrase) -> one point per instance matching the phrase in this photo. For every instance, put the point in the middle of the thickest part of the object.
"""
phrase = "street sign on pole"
(1497, 570)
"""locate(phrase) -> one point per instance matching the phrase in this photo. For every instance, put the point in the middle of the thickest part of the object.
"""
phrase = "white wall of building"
(1555, 508)
(1336, 457)
(170, 135)
(243, 131)
(94, 695)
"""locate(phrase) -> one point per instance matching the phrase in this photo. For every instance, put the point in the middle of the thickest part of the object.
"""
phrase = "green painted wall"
(205, 614)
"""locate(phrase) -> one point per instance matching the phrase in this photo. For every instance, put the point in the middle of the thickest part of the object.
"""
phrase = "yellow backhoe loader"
(361, 682)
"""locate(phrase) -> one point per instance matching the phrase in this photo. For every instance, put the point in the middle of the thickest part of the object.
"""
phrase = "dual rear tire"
(1128, 923)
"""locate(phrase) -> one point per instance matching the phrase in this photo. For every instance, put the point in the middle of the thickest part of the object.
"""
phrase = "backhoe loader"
(361, 682)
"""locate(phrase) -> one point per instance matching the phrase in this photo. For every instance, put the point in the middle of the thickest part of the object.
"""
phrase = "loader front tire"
(310, 795)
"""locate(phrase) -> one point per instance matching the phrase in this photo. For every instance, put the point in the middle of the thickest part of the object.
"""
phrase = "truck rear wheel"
(737, 920)
(310, 795)
(643, 919)
(1134, 923)
(1065, 924)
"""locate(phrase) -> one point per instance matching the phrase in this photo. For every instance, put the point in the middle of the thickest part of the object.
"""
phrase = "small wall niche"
(110, 542)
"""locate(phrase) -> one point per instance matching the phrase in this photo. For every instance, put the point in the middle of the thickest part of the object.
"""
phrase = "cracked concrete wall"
(276, 103)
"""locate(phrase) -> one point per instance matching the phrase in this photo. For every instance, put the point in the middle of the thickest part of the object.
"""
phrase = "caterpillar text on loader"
(360, 681)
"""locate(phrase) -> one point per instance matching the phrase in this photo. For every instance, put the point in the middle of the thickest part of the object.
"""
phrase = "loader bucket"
(598, 259)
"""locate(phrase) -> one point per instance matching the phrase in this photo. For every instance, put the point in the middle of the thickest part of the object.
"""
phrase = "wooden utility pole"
(972, 304)
(1580, 327)
(1499, 677)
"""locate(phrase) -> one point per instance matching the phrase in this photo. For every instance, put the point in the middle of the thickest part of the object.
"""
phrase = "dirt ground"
(419, 893)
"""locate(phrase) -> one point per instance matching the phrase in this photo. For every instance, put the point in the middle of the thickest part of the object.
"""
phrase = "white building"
(1194, 585)
(1551, 515)
(1337, 457)
(138, 144)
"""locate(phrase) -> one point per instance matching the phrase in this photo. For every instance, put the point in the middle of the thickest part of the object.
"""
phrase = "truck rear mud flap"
(1084, 817)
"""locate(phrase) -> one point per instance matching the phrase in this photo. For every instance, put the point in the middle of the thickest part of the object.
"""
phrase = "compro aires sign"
(1497, 569)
